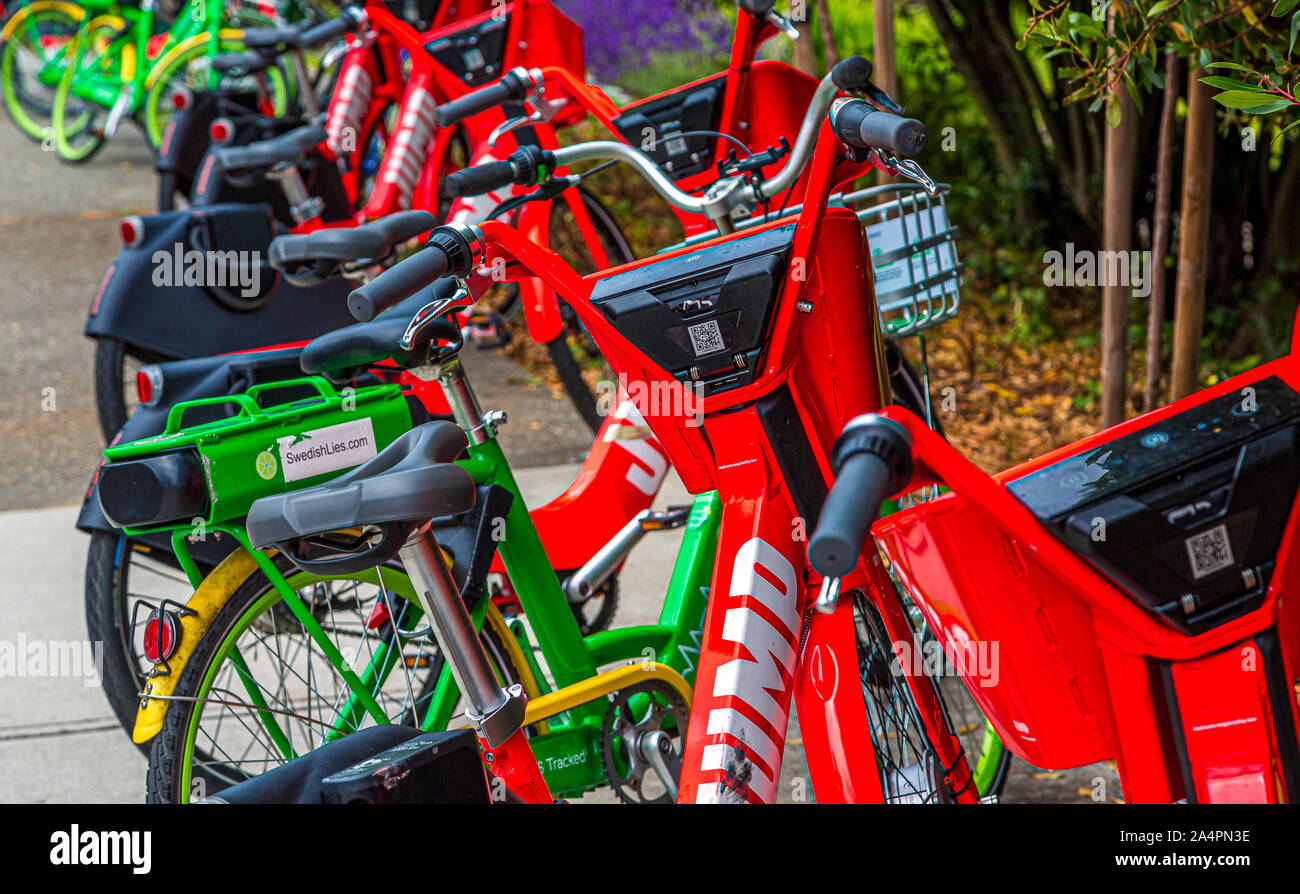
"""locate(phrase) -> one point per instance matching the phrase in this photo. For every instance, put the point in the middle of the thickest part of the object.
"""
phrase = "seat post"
(495, 713)
(464, 405)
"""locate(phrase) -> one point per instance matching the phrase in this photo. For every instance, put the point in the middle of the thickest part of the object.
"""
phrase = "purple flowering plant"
(637, 43)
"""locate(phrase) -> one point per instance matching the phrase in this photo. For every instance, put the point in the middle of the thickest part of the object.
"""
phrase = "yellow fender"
(207, 600)
(185, 46)
(71, 10)
(205, 603)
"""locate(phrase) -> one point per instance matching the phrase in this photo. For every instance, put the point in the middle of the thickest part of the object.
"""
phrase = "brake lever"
(543, 110)
(429, 314)
(882, 100)
(783, 23)
(907, 168)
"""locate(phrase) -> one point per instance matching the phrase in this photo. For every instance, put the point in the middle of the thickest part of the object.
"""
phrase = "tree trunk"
(1160, 232)
(882, 23)
(805, 54)
(1117, 236)
(883, 73)
(828, 34)
(1194, 236)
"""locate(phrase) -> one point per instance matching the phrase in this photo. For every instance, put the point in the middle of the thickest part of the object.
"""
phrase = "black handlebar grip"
(398, 283)
(757, 8)
(480, 179)
(327, 32)
(852, 74)
(860, 125)
(852, 505)
(872, 459)
(512, 87)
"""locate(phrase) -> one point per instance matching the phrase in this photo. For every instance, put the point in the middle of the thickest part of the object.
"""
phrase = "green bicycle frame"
(570, 750)
(105, 83)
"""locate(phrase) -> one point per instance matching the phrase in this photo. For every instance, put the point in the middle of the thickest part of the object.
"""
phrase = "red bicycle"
(1134, 584)
(748, 318)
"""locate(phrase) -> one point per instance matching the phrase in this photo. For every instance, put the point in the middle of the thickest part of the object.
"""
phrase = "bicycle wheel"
(79, 123)
(189, 69)
(32, 45)
(115, 397)
(216, 735)
(985, 752)
(912, 769)
(577, 361)
(121, 571)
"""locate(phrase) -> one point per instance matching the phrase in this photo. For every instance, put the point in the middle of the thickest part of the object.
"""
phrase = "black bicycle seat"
(288, 148)
(345, 353)
(308, 259)
(242, 63)
(285, 38)
(413, 480)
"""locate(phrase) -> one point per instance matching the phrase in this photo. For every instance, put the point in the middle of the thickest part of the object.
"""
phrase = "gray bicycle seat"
(412, 480)
(291, 148)
(372, 241)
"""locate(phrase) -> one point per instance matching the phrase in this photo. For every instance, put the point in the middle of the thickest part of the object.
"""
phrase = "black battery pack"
(433, 768)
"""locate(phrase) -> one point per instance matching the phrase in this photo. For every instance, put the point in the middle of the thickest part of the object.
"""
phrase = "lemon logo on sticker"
(266, 465)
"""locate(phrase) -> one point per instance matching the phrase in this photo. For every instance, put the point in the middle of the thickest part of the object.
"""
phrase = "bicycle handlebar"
(514, 86)
(872, 459)
(860, 125)
(481, 179)
(328, 32)
(449, 252)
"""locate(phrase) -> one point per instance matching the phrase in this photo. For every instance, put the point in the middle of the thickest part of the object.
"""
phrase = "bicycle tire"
(170, 778)
(619, 251)
(79, 140)
(26, 102)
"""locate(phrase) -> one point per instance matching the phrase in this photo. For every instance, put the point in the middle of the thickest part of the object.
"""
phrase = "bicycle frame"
(1086, 674)
(133, 48)
(571, 715)
(764, 447)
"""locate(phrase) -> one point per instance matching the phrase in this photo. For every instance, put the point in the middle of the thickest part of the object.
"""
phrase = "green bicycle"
(119, 66)
(33, 42)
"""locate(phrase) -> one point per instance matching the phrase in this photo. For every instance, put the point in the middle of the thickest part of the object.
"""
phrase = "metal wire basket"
(914, 255)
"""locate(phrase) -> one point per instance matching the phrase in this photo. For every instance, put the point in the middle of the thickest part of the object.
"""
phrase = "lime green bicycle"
(120, 65)
(33, 42)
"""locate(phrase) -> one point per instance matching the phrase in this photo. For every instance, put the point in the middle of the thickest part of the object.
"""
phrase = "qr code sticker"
(1210, 551)
(675, 146)
(706, 337)
(473, 58)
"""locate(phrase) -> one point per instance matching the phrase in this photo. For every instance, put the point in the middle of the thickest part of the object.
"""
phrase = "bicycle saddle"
(345, 353)
(290, 148)
(242, 63)
(308, 259)
(410, 482)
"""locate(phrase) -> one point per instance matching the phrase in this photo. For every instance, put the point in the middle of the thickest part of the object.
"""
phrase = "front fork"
(495, 713)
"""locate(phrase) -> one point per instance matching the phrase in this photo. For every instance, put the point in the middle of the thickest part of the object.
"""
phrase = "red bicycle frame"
(764, 446)
(1086, 674)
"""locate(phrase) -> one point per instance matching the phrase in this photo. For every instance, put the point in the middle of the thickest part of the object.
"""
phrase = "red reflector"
(143, 388)
(160, 636)
(181, 99)
(148, 385)
(132, 231)
(221, 131)
(378, 615)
